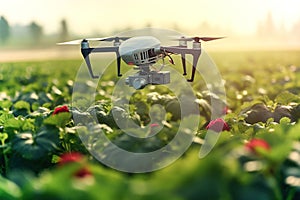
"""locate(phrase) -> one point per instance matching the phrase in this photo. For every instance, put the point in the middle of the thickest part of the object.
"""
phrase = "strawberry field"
(44, 132)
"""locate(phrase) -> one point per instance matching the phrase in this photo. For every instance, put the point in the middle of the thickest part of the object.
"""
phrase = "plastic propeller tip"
(108, 39)
(197, 39)
(205, 39)
(73, 42)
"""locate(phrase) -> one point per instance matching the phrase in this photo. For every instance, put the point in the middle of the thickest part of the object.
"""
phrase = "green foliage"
(60, 120)
(33, 138)
(34, 146)
(9, 190)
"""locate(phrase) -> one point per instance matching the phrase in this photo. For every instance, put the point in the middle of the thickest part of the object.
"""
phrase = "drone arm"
(111, 49)
(105, 49)
(183, 50)
(86, 51)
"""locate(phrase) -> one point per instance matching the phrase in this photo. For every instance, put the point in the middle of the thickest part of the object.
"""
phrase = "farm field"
(257, 155)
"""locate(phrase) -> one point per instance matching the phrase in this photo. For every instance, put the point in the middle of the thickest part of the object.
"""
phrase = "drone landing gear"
(85, 54)
(183, 64)
(118, 63)
(86, 51)
(195, 61)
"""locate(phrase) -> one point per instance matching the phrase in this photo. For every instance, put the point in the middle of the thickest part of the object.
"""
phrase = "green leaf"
(13, 123)
(9, 190)
(286, 97)
(25, 145)
(294, 132)
(5, 104)
(48, 138)
(44, 98)
(4, 116)
(33, 147)
(173, 107)
(3, 137)
(59, 120)
(285, 121)
(55, 159)
(22, 105)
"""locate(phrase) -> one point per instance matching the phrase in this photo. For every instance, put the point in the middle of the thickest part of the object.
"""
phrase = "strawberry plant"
(257, 154)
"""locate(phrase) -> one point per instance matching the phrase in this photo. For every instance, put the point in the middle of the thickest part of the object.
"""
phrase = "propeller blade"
(205, 39)
(197, 39)
(96, 39)
(108, 39)
(73, 42)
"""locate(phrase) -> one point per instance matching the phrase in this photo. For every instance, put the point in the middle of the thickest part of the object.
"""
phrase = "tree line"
(33, 31)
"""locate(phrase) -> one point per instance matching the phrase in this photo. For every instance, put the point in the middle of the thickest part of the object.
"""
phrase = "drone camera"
(159, 78)
(139, 80)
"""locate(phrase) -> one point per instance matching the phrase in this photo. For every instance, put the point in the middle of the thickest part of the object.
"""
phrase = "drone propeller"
(108, 39)
(73, 42)
(197, 39)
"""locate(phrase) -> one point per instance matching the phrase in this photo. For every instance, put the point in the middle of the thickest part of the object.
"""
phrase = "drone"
(143, 52)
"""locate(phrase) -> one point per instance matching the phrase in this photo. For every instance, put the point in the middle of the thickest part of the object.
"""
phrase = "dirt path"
(11, 55)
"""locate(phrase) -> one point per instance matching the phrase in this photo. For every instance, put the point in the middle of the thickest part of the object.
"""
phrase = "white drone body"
(143, 51)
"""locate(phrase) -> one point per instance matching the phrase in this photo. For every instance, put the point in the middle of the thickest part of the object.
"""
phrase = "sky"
(104, 16)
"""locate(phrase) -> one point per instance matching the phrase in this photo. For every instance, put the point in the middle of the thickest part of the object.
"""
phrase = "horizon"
(238, 16)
